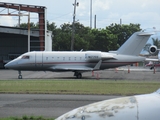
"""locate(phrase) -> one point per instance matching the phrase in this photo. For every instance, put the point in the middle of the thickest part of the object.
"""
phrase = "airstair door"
(39, 60)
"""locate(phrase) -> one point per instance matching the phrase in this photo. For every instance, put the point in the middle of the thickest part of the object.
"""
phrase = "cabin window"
(25, 57)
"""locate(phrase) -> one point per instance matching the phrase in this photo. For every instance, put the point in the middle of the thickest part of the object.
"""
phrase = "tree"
(123, 32)
(51, 26)
(109, 38)
(156, 42)
(32, 25)
(83, 37)
(104, 41)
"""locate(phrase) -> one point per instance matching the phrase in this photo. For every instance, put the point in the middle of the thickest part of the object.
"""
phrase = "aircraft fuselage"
(54, 61)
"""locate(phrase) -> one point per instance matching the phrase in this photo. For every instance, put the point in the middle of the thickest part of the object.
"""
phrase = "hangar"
(15, 41)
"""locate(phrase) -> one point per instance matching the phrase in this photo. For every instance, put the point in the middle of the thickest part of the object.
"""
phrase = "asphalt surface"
(49, 106)
(123, 73)
(52, 106)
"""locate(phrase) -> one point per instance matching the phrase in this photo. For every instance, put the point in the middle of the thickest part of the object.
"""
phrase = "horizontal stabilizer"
(146, 33)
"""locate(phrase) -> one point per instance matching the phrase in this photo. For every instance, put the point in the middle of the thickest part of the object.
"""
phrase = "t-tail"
(135, 43)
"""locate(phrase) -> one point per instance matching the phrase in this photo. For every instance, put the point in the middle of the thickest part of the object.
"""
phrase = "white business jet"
(82, 61)
(153, 62)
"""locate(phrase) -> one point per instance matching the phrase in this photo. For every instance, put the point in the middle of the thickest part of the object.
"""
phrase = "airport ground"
(51, 105)
(122, 73)
(48, 106)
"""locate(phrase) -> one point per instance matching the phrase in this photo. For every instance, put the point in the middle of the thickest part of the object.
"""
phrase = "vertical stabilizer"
(135, 43)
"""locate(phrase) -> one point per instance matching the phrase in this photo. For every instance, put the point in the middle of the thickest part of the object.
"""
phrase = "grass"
(26, 118)
(99, 87)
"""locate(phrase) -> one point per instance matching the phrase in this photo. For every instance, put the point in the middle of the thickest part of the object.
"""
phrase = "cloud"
(149, 19)
(7, 21)
(144, 12)
(101, 5)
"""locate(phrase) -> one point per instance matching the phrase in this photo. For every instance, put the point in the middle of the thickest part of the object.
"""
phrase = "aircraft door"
(39, 59)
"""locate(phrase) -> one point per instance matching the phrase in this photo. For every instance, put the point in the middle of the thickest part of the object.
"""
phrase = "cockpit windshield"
(25, 57)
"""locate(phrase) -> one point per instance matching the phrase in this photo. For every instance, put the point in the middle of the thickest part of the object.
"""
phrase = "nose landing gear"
(20, 75)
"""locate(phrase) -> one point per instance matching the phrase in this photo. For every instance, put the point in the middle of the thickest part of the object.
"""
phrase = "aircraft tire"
(79, 76)
(20, 77)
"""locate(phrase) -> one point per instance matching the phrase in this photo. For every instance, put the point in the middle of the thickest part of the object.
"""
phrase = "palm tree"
(156, 42)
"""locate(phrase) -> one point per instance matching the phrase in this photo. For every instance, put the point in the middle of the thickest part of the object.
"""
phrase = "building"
(16, 41)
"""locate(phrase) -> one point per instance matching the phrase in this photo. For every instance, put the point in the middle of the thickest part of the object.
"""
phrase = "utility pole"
(91, 14)
(73, 25)
(95, 21)
(29, 30)
(19, 18)
(120, 21)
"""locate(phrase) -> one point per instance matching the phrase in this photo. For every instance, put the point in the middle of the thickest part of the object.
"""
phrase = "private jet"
(82, 61)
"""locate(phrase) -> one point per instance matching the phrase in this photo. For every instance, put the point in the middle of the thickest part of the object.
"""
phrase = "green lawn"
(26, 118)
(108, 87)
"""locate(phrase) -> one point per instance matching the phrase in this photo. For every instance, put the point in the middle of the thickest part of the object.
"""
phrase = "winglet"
(98, 65)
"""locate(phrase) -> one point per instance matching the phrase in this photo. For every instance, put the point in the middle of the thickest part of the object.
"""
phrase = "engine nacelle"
(153, 49)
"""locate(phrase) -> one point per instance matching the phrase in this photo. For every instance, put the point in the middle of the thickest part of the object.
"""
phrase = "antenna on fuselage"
(81, 50)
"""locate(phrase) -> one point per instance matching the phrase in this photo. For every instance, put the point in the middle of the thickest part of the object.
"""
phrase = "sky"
(143, 12)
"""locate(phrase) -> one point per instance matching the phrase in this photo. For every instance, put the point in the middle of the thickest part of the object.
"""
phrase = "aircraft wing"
(72, 68)
(78, 68)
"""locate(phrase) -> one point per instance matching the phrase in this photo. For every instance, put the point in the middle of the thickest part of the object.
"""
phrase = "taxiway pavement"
(49, 106)
(122, 73)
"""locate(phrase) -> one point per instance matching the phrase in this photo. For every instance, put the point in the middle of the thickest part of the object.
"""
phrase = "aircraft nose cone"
(10, 65)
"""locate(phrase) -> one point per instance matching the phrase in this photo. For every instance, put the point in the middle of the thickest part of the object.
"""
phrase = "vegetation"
(98, 87)
(109, 38)
(26, 118)
(156, 42)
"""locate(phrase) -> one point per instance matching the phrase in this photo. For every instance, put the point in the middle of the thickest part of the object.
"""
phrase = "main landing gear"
(78, 75)
(152, 67)
(20, 75)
